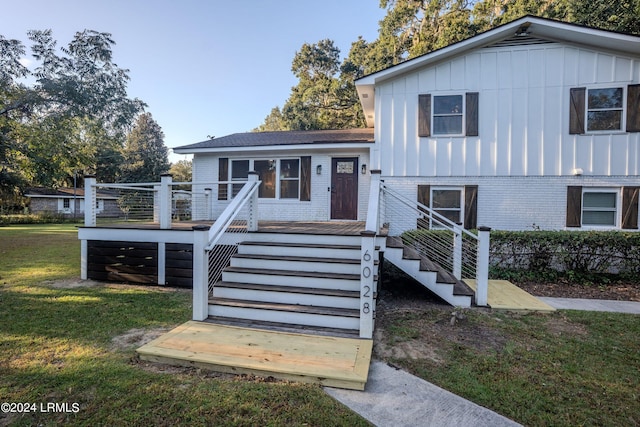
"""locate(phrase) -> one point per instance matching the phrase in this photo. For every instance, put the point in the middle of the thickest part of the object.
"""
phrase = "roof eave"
(282, 147)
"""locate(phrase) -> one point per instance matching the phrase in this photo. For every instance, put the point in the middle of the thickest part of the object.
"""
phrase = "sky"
(204, 67)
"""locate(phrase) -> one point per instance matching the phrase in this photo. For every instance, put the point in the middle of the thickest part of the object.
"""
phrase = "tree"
(181, 171)
(72, 118)
(322, 99)
(146, 157)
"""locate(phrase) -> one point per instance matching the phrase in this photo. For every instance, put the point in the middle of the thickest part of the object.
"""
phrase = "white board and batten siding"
(523, 115)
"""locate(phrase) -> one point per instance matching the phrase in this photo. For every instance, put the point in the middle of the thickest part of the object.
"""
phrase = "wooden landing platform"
(330, 361)
(504, 295)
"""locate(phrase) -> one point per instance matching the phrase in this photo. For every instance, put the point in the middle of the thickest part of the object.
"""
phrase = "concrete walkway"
(395, 398)
(631, 307)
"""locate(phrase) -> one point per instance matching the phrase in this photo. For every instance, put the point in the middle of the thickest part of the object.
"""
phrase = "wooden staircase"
(429, 274)
(302, 282)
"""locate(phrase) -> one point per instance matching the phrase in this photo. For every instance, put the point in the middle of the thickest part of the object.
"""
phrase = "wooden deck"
(330, 361)
(504, 295)
(347, 228)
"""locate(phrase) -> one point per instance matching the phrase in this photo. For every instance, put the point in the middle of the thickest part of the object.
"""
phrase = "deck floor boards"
(331, 361)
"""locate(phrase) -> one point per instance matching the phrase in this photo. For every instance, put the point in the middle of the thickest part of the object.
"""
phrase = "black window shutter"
(576, 110)
(574, 206)
(470, 207)
(630, 197)
(305, 178)
(472, 114)
(424, 198)
(424, 115)
(223, 175)
(633, 108)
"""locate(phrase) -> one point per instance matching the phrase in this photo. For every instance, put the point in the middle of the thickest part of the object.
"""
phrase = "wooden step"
(297, 263)
(288, 294)
(307, 279)
(299, 314)
(283, 327)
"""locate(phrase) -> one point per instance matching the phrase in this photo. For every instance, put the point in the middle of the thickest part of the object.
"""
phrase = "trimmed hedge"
(579, 256)
(47, 218)
(575, 256)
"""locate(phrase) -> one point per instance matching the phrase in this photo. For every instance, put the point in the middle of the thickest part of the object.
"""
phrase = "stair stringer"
(428, 279)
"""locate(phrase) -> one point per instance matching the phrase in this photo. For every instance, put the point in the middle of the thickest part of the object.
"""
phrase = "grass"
(563, 369)
(56, 346)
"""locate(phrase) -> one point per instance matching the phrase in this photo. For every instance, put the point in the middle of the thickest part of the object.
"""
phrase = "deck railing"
(214, 246)
(165, 203)
(456, 249)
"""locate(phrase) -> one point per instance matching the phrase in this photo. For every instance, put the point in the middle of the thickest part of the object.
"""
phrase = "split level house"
(533, 124)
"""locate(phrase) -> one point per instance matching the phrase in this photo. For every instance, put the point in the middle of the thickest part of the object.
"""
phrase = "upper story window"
(604, 109)
(447, 115)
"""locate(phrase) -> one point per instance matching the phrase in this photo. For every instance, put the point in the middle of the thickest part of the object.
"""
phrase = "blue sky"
(203, 67)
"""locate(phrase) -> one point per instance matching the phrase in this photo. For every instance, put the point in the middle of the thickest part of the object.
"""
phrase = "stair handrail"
(205, 240)
(481, 239)
(226, 218)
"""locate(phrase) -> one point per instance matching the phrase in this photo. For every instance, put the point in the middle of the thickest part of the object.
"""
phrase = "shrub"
(592, 256)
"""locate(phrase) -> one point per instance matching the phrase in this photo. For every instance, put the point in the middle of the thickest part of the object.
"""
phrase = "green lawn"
(561, 369)
(56, 346)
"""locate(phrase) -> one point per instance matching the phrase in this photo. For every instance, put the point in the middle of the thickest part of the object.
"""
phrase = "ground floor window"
(280, 177)
(599, 208)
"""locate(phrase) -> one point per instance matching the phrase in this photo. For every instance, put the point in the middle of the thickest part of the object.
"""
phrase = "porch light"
(363, 169)
(319, 170)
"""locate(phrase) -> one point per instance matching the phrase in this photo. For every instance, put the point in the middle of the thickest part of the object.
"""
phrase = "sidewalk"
(393, 397)
(631, 307)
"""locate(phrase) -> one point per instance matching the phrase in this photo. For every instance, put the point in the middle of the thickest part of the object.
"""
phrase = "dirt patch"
(74, 282)
(135, 338)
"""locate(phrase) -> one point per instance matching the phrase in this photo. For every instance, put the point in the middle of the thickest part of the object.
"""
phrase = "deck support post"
(162, 263)
(84, 259)
(457, 252)
(200, 272)
(252, 221)
(367, 274)
(482, 268)
(165, 201)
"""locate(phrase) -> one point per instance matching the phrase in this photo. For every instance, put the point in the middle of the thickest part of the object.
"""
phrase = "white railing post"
(373, 208)
(457, 252)
(367, 273)
(156, 203)
(90, 197)
(482, 269)
(252, 221)
(200, 272)
(207, 204)
(165, 201)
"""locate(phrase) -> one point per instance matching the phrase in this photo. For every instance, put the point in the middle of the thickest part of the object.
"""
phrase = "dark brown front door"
(344, 188)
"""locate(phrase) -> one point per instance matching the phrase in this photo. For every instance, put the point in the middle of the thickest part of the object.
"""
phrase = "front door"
(344, 188)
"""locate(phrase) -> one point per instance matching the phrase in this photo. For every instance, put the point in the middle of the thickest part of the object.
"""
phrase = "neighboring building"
(534, 124)
(70, 202)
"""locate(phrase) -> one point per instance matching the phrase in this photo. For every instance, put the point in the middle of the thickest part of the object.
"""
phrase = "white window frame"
(622, 109)
(436, 226)
(277, 174)
(462, 114)
(617, 210)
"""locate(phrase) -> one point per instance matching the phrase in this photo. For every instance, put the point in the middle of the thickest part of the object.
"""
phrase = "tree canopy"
(325, 96)
(68, 114)
(146, 157)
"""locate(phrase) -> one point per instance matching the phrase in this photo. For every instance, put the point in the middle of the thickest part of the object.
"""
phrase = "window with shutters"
(599, 207)
(448, 115)
(280, 178)
(604, 109)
